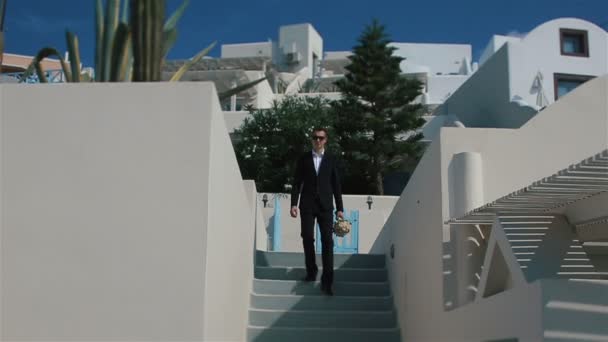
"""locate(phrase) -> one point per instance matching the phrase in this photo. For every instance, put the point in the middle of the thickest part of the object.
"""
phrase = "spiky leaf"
(110, 25)
(37, 66)
(169, 38)
(74, 55)
(172, 22)
(99, 39)
(226, 94)
(1, 48)
(119, 53)
(182, 70)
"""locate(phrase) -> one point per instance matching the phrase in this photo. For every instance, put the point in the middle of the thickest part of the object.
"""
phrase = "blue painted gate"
(348, 244)
(276, 225)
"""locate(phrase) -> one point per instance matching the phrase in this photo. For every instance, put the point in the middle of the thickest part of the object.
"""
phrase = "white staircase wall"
(371, 221)
(570, 130)
(121, 215)
(574, 128)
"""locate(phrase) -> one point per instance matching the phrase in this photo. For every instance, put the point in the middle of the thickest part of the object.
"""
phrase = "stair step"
(596, 248)
(321, 303)
(579, 292)
(340, 274)
(322, 319)
(261, 334)
(293, 287)
(576, 320)
(287, 259)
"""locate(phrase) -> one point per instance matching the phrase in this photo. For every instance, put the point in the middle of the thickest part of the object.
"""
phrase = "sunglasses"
(318, 137)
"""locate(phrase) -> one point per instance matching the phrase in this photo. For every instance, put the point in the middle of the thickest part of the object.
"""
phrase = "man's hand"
(294, 212)
(340, 215)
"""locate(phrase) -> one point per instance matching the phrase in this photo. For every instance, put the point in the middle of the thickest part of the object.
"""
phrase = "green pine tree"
(376, 120)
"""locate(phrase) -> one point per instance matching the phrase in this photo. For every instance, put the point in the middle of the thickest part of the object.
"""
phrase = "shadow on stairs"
(283, 308)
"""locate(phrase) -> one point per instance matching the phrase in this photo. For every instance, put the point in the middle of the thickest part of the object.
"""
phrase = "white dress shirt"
(317, 158)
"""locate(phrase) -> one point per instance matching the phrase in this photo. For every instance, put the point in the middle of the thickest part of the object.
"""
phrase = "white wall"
(234, 120)
(307, 41)
(337, 55)
(371, 222)
(511, 160)
(483, 100)
(440, 58)
(433, 125)
(230, 237)
(501, 93)
(261, 49)
(540, 51)
(113, 213)
(440, 87)
(505, 152)
(495, 43)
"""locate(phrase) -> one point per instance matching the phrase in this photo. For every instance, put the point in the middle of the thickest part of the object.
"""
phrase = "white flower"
(342, 227)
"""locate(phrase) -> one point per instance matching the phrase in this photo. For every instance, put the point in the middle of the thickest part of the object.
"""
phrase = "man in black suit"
(316, 181)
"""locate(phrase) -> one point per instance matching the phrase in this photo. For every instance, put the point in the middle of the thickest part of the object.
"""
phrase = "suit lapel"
(324, 163)
(311, 163)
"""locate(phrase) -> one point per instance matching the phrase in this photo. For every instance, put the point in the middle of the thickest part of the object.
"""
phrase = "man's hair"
(321, 129)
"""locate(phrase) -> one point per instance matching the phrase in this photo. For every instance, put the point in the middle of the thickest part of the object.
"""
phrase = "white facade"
(432, 301)
(443, 68)
(302, 49)
(130, 221)
(263, 49)
(299, 58)
(114, 219)
(299, 50)
(520, 76)
(437, 59)
(517, 77)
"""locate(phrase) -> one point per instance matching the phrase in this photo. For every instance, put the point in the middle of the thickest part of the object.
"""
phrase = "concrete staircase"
(574, 310)
(547, 246)
(283, 308)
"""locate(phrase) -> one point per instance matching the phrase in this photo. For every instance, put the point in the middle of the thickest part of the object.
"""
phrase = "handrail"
(52, 75)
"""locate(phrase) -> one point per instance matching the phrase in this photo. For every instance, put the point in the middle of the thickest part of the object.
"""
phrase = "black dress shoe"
(327, 289)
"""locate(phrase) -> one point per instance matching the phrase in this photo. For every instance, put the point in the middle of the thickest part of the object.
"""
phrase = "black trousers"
(325, 220)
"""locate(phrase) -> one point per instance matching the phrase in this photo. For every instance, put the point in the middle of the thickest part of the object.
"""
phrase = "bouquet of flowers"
(342, 227)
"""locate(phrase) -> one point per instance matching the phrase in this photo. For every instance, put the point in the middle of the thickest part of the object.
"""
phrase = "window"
(565, 83)
(574, 43)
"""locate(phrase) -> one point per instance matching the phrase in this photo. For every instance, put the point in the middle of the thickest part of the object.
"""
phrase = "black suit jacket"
(309, 186)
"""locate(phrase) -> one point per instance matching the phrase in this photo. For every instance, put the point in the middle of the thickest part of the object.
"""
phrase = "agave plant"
(2, 13)
(1, 49)
(132, 42)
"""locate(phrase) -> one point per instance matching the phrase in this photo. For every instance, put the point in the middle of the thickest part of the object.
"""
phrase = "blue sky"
(33, 24)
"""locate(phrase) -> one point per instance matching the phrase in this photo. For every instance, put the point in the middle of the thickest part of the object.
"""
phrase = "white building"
(518, 76)
(131, 221)
(298, 64)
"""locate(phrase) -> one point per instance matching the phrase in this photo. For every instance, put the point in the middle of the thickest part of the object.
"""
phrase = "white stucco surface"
(539, 51)
(261, 49)
(511, 159)
(506, 91)
(303, 39)
(371, 221)
(439, 58)
(115, 204)
(441, 87)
